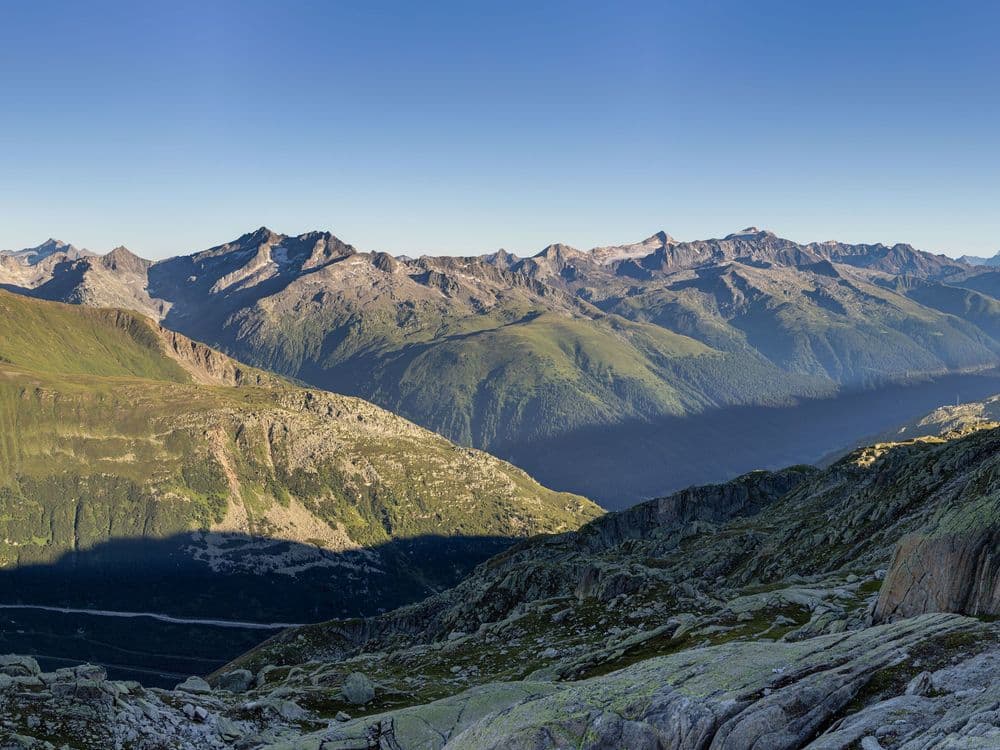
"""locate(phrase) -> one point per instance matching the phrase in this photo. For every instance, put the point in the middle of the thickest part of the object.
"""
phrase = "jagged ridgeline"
(129, 453)
(618, 372)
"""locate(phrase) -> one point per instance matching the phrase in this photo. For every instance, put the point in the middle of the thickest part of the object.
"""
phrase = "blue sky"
(464, 127)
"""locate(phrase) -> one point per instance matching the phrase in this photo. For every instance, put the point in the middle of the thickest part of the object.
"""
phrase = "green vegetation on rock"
(113, 428)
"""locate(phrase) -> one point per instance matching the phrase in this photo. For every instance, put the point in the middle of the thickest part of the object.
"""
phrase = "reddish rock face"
(949, 573)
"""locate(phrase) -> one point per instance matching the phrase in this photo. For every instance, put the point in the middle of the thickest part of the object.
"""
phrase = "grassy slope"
(69, 340)
(104, 436)
(516, 374)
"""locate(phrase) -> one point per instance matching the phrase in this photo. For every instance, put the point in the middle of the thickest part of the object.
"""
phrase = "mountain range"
(143, 472)
(533, 358)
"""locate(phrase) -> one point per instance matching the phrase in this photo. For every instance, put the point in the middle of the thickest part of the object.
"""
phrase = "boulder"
(237, 681)
(228, 729)
(194, 684)
(358, 689)
(19, 666)
(922, 684)
(280, 707)
(90, 672)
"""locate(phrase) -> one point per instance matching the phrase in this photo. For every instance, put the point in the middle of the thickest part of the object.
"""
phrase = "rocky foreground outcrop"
(949, 573)
(951, 563)
(763, 695)
(925, 682)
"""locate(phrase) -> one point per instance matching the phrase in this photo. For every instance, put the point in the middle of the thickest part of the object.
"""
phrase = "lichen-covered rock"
(774, 695)
(358, 689)
(958, 707)
(731, 697)
(742, 694)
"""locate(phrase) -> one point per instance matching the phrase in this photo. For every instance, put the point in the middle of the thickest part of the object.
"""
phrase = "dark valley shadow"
(619, 465)
(254, 581)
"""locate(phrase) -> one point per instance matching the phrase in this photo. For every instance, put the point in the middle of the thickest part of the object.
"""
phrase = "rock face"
(951, 562)
(950, 573)
(780, 696)
(208, 366)
(709, 504)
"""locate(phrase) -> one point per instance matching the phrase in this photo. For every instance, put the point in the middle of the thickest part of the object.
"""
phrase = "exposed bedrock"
(943, 573)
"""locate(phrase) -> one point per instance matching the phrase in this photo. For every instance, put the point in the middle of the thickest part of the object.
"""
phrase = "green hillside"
(516, 376)
(113, 429)
(56, 338)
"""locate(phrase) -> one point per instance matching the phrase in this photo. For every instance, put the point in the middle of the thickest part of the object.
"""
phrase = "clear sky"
(463, 127)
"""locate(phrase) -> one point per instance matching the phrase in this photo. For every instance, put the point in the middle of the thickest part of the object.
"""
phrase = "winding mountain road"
(158, 616)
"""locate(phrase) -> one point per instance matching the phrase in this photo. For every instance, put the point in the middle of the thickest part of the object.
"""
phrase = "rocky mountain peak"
(34, 255)
(123, 259)
(660, 238)
(323, 247)
(557, 250)
(501, 258)
(751, 231)
(980, 260)
(261, 236)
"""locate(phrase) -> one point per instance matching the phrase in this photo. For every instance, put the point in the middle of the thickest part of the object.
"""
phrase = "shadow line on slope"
(160, 576)
(619, 465)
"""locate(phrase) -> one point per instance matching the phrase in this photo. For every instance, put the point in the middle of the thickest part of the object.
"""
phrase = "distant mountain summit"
(978, 260)
(34, 255)
(537, 358)
(124, 260)
(33, 266)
